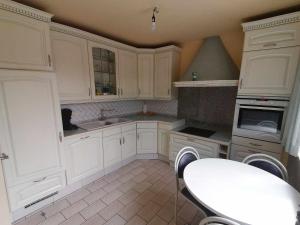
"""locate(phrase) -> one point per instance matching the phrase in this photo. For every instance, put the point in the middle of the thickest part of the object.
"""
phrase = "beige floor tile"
(125, 178)
(187, 212)
(140, 177)
(137, 171)
(111, 210)
(112, 196)
(34, 219)
(167, 212)
(96, 185)
(54, 220)
(145, 197)
(92, 209)
(93, 197)
(125, 187)
(73, 209)
(116, 220)
(76, 219)
(157, 221)
(141, 187)
(130, 210)
(149, 211)
(95, 220)
(77, 195)
(55, 207)
(128, 197)
(112, 186)
(162, 197)
(111, 177)
(157, 186)
(136, 221)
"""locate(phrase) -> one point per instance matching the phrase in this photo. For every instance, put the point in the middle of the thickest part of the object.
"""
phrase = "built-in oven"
(260, 119)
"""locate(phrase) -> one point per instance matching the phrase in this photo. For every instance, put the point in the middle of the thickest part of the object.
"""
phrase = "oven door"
(259, 122)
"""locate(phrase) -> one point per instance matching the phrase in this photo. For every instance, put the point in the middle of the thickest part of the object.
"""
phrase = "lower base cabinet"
(163, 142)
(146, 138)
(128, 141)
(112, 146)
(83, 156)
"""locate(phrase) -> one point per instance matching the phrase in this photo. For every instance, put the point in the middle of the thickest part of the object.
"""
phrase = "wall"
(163, 107)
(209, 105)
(232, 40)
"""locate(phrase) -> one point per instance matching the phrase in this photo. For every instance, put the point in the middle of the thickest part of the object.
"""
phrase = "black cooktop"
(198, 131)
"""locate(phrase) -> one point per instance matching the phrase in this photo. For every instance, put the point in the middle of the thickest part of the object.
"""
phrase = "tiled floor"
(139, 193)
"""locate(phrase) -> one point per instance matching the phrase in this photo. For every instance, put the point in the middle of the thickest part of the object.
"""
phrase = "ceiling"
(178, 21)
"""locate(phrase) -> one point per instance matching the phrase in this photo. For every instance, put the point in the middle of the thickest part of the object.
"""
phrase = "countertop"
(222, 136)
(131, 118)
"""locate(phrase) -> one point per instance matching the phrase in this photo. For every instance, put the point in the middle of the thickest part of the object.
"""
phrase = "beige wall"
(233, 42)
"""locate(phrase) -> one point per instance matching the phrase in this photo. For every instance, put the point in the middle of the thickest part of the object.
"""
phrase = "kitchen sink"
(96, 124)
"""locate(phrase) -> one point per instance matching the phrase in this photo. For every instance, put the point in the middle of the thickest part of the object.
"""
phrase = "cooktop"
(198, 131)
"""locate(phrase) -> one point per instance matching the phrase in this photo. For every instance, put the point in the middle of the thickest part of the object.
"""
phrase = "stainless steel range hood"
(212, 66)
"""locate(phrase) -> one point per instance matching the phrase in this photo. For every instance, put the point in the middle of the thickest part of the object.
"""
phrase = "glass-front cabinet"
(104, 71)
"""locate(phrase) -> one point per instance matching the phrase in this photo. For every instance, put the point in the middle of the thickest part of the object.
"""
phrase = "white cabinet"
(146, 138)
(128, 141)
(83, 156)
(166, 71)
(128, 74)
(24, 42)
(146, 76)
(163, 142)
(112, 146)
(31, 135)
(269, 72)
(70, 56)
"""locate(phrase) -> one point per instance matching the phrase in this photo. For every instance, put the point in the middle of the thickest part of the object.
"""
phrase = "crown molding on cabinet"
(93, 37)
(272, 22)
(25, 10)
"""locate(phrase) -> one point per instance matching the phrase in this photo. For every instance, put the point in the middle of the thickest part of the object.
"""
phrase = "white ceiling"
(177, 22)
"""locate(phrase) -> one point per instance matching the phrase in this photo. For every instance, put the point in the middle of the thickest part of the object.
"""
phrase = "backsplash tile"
(90, 111)
(163, 107)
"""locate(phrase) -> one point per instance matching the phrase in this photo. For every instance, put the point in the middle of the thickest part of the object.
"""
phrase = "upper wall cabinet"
(146, 76)
(128, 76)
(71, 65)
(24, 40)
(104, 71)
(166, 71)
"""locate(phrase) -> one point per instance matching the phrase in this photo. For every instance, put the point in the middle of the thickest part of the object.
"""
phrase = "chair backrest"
(215, 220)
(185, 156)
(267, 163)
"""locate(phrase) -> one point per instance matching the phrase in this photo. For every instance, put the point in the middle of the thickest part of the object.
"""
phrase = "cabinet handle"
(123, 140)
(120, 141)
(3, 156)
(39, 180)
(82, 138)
(60, 136)
(271, 44)
(254, 144)
(241, 83)
(49, 59)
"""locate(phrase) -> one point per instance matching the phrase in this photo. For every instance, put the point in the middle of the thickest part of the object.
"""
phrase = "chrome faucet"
(101, 114)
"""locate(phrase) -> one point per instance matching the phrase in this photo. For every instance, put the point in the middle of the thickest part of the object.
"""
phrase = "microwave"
(260, 119)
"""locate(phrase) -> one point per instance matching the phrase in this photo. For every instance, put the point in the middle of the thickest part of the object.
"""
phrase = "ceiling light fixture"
(155, 10)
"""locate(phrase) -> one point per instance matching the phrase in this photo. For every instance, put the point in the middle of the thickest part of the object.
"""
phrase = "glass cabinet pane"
(104, 63)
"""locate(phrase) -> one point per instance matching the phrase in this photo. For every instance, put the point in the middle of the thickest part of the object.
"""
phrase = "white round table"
(243, 193)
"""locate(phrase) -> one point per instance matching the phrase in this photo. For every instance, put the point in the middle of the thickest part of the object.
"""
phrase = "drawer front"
(274, 37)
(257, 144)
(147, 125)
(239, 152)
(111, 131)
(24, 194)
(205, 149)
(129, 127)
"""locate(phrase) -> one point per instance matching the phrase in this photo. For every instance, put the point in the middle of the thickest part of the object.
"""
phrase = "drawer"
(273, 37)
(239, 152)
(128, 127)
(27, 193)
(147, 125)
(257, 144)
(111, 131)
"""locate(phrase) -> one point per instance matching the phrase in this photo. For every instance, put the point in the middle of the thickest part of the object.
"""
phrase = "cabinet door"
(112, 146)
(30, 124)
(103, 62)
(146, 76)
(163, 75)
(24, 42)
(128, 74)
(146, 141)
(163, 142)
(129, 144)
(269, 72)
(71, 66)
(84, 157)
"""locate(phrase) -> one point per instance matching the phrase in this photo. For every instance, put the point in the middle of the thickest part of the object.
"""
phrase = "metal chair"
(184, 157)
(267, 163)
(215, 220)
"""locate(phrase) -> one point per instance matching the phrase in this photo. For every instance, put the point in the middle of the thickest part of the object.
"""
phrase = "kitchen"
(100, 123)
